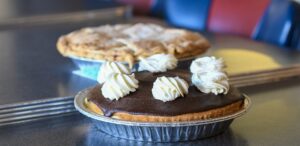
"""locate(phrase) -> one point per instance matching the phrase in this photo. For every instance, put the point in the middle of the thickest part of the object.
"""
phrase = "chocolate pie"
(140, 106)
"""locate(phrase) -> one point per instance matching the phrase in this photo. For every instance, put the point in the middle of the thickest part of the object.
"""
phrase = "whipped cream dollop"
(207, 64)
(208, 75)
(119, 85)
(158, 63)
(109, 68)
(211, 82)
(169, 88)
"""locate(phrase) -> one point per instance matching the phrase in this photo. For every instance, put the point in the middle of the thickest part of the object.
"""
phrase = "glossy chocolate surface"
(142, 101)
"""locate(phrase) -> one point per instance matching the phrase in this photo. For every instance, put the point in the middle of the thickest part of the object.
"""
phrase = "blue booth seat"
(190, 14)
(275, 24)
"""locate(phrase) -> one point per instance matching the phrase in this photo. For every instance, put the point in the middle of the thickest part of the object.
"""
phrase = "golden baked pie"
(140, 106)
(128, 43)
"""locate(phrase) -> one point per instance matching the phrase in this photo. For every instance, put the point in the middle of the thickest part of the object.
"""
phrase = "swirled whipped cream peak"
(208, 75)
(108, 68)
(211, 82)
(119, 85)
(207, 64)
(158, 63)
(169, 88)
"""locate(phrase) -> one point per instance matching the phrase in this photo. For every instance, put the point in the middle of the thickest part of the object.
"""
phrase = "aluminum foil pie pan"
(159, 132)
(89, 68)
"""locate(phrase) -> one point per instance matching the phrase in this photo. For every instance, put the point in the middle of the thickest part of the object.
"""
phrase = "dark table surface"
(32, 68)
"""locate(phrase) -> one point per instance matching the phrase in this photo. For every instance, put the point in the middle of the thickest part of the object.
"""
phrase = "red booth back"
(236, 16)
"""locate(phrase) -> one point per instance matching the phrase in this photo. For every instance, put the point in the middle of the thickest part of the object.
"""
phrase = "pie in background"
(131, 42)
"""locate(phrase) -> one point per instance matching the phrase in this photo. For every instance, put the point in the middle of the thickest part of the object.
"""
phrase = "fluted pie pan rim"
(79, 105)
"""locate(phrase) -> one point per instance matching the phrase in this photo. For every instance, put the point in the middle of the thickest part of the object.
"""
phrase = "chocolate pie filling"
(142, 101)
